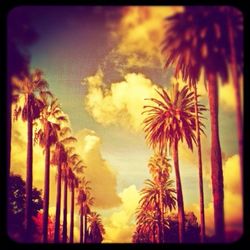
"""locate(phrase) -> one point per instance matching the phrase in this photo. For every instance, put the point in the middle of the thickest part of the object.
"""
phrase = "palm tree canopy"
(159, 167)
(198, 38)
(172, 118)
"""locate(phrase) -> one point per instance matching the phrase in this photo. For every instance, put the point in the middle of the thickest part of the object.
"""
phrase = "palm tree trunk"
(237, 94)
(161, 214)
(85, 228)
(81, 224)
(216, 161)
(58, 202)
(72, 214)
(181, 218)
(29, 170)
(65, 208)
(46, 186)
(202, 215)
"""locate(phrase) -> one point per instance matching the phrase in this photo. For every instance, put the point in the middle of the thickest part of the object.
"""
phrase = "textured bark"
(202, 215)
(58, 202)
(65, 208)
(216, 161)
(181, 218)
(29, 170)
(71, 237)
(237, 95)
(46, 186)
(81, 224)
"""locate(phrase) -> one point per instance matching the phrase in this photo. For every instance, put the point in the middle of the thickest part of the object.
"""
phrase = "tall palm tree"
(73, 182)
(59, 158)
(196, 39)
(234, 27)
(96, 229)
(172, 119)
(29, 87)
(77, 166)
(50, 118)
(85, 201)
(159, 167)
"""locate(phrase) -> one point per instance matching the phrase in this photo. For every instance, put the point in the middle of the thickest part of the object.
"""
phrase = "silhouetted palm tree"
(159, 167)
(149, 221)
(29, 87)
(84, 200)
(201, 37)
(96, 229)
(59, 157)
(170, 120)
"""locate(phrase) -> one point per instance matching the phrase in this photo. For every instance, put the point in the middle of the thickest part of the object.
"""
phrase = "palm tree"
(166, 124)
(29, 87)
(50, 118)
(84, 200)
(59, 158)
(73, 183)
(96, 229)
(149, 220)
(159, 167)
(196, 39)
(77, 165)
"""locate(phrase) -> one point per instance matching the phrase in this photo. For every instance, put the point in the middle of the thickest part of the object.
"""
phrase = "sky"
(101, 63)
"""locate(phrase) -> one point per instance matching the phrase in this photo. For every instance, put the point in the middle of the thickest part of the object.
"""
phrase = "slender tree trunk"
(85, 228)
(202, 215)
(72, 213)
(161, 214)
(29, 170)
(181, 218)
(237, 95)
(81, 224)
(58, 201)
(216, 161)
(65, 208)
(46, 186)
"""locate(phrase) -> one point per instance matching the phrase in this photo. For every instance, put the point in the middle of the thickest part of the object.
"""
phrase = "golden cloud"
(98, 171)
(122, 102)
(120, 225)
(140, 32)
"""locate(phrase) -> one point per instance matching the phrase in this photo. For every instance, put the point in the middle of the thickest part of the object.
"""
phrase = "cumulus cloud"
(98, 172)
(139, 34)
(122, 102)
(120, 225)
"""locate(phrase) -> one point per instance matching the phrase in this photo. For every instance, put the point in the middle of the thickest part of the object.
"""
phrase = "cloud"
(98, 172)
(120, 225)
(232, 199)
(122, 102)
(139, 34)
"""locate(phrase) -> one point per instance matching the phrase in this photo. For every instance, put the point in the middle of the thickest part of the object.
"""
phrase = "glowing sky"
(101, 62)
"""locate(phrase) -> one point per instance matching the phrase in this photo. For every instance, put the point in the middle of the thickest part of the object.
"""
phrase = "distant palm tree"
(96, 229)
(170, 120)
(149, 220)
(73, 183)
(201, 37)
(84, 200)
(59, 158)
(159, 167)
(29, 87)
(76, 165)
